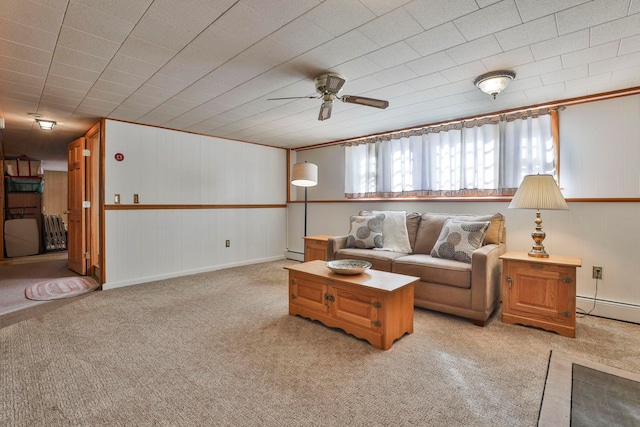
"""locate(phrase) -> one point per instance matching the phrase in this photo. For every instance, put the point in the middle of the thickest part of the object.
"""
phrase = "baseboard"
(147, 279)
(296, 256)
(610, 309)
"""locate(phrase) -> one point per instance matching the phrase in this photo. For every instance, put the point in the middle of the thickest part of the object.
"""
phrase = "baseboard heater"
(610, 309)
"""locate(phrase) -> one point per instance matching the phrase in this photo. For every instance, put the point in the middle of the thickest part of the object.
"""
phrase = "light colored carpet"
(220, 349)
(557, 406)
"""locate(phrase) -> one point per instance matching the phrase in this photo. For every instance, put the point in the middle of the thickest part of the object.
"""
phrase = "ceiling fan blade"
(325, 111)
(295, 97)
(334, 83)
(370, 102)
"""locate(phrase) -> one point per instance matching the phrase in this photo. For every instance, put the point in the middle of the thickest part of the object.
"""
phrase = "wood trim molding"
(473, 199)
(129, 207)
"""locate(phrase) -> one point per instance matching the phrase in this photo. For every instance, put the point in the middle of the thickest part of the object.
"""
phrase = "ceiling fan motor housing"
(321, 83)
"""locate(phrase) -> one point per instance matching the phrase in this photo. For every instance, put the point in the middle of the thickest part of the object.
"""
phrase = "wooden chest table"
(376, 306)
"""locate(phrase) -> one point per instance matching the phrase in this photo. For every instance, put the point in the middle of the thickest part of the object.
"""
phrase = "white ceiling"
(208, 66)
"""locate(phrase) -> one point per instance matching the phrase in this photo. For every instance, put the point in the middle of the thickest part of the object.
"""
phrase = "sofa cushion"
(365, 231)
(394, 230)
(458, 239)
(428, 232)
(431, 226)
(434, 270)
(380, 260)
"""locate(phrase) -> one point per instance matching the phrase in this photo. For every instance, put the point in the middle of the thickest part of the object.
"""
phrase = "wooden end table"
(540, 292)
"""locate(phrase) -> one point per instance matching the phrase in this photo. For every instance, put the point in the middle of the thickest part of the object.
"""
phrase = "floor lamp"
(305, 175)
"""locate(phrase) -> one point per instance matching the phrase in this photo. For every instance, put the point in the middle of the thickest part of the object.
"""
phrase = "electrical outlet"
(227, 243)
(597, 272)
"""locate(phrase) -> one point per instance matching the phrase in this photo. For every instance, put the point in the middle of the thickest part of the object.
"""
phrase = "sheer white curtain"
(466, 158)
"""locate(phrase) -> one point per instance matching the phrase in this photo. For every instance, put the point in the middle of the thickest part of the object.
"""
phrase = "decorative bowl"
(348, 266)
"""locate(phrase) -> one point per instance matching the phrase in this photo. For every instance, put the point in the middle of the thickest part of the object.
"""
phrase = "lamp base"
(538, 253)
(538, 236)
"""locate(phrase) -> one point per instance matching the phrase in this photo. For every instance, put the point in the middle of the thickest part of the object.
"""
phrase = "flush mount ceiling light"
(494, 82)
(46, 124)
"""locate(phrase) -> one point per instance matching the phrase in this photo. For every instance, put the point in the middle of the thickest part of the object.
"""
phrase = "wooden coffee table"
(376, 306)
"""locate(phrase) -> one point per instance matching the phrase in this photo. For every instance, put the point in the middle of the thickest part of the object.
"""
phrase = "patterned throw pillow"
(365, 232)
(458, 239)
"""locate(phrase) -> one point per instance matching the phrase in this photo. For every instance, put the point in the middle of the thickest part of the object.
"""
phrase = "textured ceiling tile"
(127, 64)
(162, 33)
(113, 87)
(339, 50)
(127, 10)
(618, 29)
(598, 79)
(358, 67)
(72, 72)
(193, 16)
(255, 26)
(474, 50)
(99, 24)
(539, 67)
(467, 71)
(528, 33)
(433, 13)
(391, 28)
(593, 54)
(87, 43)
(122, 78)
(534, 9)
(106, 96)
(629, 45)
(431, 64)
(489, 20)
(390, 56)
(25, 53)
(202, 91)
(29, 36)
(168, 83)
(635, 7)
(563, 44)
(78, 59)
(146, 51)
(380, 7)
(590, 14)
(31, 14)
(340, 16)
(617, 63)
(436, 39)
(23, 67)
(564, 75)
(25, 79)
(509, 59)
(301, 35)
(427, 82)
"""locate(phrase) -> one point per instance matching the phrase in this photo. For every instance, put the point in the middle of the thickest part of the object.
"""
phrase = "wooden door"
(77, 237)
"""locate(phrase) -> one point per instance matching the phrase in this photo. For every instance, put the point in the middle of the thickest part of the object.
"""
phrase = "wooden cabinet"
(376, 306)
(315, 247)
(540, 292)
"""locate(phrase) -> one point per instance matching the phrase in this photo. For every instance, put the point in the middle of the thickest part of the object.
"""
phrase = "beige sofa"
(446, 285)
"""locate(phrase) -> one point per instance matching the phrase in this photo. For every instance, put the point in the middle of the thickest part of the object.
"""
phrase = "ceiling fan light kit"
(494, 82)
(328, 85)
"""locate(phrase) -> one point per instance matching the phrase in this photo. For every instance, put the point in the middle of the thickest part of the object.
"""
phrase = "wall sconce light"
(46, 124)
(494, 82)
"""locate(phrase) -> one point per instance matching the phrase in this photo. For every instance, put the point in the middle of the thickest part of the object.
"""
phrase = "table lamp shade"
(538, 192)
(304, 175)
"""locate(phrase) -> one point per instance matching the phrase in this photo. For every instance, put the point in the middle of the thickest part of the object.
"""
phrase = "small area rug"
(579, 392)
(63, 287)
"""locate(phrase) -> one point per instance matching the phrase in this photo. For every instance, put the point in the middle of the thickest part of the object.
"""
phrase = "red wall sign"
(119, 157)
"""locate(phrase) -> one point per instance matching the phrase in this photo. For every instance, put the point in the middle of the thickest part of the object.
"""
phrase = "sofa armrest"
(486, 271)
(334, 244)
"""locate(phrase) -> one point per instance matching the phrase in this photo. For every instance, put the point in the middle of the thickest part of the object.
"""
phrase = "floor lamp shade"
(538, 192)
(304, 175)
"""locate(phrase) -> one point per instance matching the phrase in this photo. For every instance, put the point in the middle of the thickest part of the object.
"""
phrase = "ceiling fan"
(328, 85)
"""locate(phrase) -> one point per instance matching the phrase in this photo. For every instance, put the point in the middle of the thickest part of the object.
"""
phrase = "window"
(488, 156)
